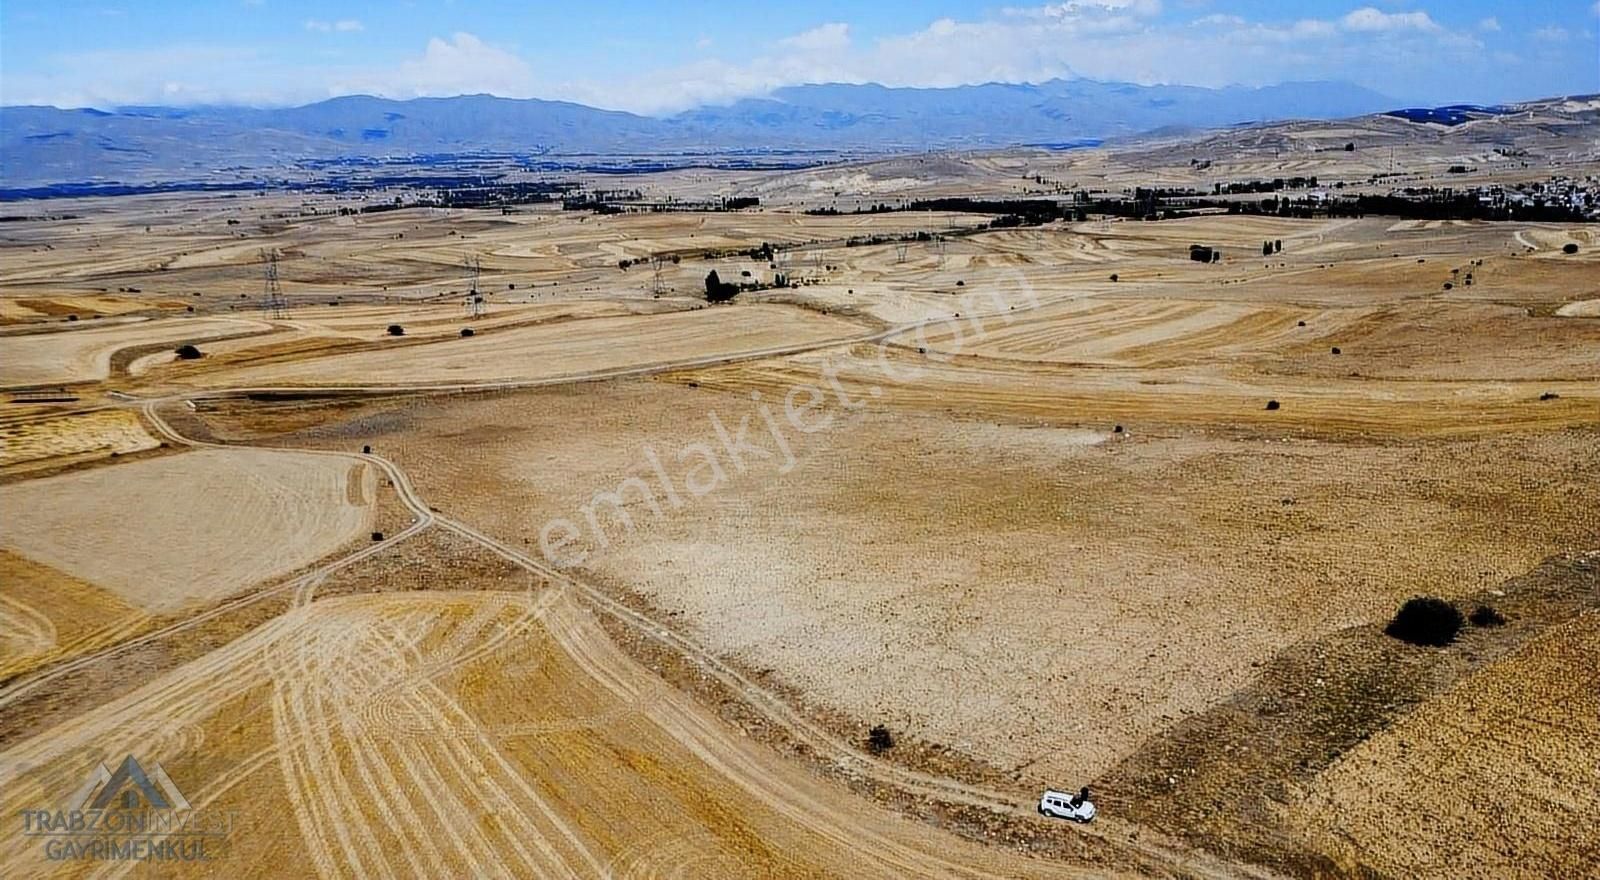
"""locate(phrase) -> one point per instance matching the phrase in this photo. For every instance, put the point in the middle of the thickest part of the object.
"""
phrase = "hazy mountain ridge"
(49, 145)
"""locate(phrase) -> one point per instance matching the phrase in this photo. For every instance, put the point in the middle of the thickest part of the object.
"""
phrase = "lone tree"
(1569, 248)
(188, 353)
(396, 330)
(1426, 620)
(718, 290)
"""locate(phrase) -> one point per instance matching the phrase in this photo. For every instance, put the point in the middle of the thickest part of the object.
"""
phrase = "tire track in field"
(301, 709)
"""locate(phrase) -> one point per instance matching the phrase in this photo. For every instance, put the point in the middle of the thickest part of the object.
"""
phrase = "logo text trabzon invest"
(129, 815)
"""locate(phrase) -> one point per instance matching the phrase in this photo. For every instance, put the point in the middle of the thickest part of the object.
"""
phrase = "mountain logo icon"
(128, 788)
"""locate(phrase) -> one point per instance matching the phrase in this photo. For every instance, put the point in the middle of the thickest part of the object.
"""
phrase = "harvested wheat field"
(82, 355)
(47, 616)
(70, 439)
(958, 609)
(1494, 775)
(487, 734)
(937, 507)
(167, 531)
(552, 351)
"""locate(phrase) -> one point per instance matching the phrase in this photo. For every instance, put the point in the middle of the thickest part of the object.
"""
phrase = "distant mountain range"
(41, 145)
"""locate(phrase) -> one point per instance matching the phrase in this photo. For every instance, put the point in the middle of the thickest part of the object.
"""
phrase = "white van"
(1060, 805)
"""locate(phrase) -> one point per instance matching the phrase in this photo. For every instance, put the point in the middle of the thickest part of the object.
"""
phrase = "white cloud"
(1405, 53)
(461, 65)
(343, 26)
(830, 37)
(1370, 20)
(1109, 40)
(1552, 34)
(1076, 8)
(1489, 25)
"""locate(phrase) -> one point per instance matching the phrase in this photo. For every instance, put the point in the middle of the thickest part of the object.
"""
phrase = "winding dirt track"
(337, 665)
(845, 755)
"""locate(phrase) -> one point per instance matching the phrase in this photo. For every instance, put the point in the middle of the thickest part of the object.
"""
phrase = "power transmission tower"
(656, 284)
(474, 301)
(900, 252)
(273, 304)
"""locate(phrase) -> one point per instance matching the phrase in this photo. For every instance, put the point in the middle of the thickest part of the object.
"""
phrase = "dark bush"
(1569, 248)
(466, 332)
(961, 283)
(188, 353)
(1483, 615)
(1117, 429)
(1426, 620)
(879, 739)
(377, 536)
(718, 290)
(396, 330)
(1113, 276)
(1272, 404)
(1336, 350)
(1448, 285)
(1549, 395)
(366, 450)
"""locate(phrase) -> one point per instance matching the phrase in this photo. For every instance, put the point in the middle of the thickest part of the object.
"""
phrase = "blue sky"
(661, 57)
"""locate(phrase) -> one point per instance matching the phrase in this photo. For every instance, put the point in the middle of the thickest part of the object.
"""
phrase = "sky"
(659, 57)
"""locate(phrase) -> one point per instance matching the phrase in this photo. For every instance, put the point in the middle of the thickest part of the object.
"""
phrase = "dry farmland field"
(618, 583)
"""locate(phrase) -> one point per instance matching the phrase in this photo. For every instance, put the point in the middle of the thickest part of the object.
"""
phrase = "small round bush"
(879, 738)
(1483, 615)
(1272, 404)
(466, 332)
(1569, 248)
(188, 353)
(1426, 620)
(396, 330)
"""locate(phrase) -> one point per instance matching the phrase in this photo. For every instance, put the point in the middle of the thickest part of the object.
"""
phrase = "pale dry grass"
(78, 437)
(1494, 778)
(165, 532)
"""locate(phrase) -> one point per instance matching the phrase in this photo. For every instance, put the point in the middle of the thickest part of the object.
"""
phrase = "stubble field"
(1056, 506)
